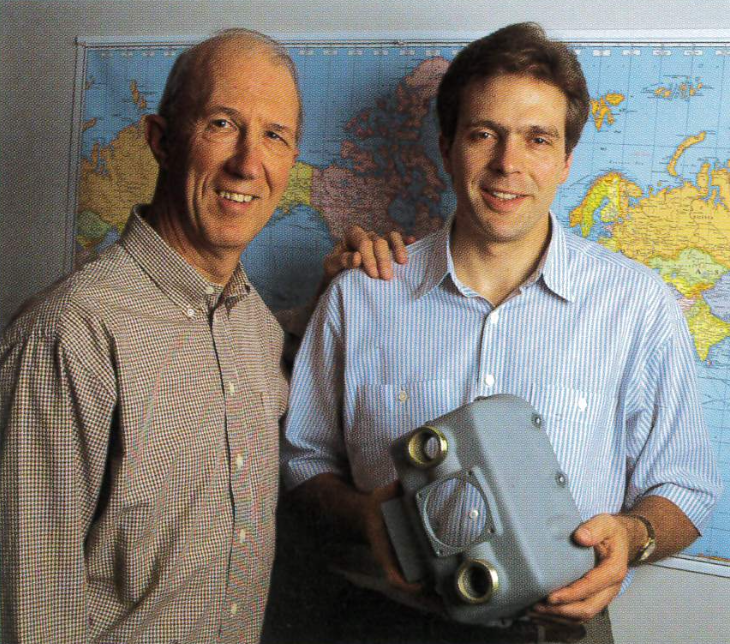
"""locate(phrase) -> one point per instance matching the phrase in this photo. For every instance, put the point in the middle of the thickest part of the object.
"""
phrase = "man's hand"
(609, 535)
(357, 515)
(616, 540)
(373, 253)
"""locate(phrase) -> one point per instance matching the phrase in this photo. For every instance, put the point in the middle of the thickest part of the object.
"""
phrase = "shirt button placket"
(489, 379)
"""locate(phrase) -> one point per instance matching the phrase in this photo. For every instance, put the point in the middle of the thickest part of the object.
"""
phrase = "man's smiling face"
(507, 158)
(229, 167)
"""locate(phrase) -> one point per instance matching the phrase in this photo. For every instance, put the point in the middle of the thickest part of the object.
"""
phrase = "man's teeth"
(507, 196)
(235, 196)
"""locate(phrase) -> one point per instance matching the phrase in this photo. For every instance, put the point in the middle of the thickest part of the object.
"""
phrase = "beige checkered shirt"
(139, 410)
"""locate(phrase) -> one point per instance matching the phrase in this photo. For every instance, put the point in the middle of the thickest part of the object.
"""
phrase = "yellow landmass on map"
(706, 329)
(691, 273)
(682, 231)
(688, 142)
(611, 194)
(666, 222)
(601, 108)
(683, 90)
(116, 177)
(299, 190)
(137, 97)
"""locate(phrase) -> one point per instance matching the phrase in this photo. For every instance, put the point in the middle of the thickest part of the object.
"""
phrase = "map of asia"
(650, 177)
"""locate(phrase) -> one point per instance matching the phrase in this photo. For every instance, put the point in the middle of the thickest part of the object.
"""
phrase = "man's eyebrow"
(549, 130)
(492, 125)
(234, 114)
(279, 127)
(532, 130)
(222, 109)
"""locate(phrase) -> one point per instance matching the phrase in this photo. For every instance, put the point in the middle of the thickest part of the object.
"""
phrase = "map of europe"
(650, 177)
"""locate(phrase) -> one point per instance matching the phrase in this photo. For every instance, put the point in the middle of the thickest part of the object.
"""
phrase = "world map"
(650, 177)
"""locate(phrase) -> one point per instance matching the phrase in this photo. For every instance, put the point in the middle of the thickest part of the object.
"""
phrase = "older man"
(140, 398)
(502, 300)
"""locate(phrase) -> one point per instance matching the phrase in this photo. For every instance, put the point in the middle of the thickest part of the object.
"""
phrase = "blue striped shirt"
(596, 343)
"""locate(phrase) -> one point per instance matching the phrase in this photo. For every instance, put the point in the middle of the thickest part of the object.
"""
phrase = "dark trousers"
(308, 604)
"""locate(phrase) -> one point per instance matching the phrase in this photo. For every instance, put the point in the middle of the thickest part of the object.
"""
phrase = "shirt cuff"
(297, 472)
(696, 504)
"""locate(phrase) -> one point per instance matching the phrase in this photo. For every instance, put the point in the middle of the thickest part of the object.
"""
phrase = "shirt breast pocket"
(386, 412)
(579, 423)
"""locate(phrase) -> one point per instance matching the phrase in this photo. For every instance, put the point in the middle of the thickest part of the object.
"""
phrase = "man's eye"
(540, 140)
(275, 136)
(221, 124)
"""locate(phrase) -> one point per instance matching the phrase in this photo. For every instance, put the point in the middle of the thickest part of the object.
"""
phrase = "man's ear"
(155, 132)
(445, 148)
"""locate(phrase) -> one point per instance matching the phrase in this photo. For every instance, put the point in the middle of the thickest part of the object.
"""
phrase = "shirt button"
(473, 513)
(190, 313)
(582, 404)
(239, 461)
(242, 535)
(209, 289)
(234, 608)
(403, 395)
(494, 317)
(489, 380)
(231, 388)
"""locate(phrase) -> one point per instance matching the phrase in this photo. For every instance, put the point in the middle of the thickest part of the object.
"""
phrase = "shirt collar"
(177, 279)
(554, 266)
(440, 263)
(556, 271)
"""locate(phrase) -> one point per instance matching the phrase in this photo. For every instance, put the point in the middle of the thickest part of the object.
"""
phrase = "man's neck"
(212, 267)
(494, 269)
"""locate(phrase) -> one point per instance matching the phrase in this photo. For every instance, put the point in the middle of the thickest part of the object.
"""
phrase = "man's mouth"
(504, 196)
(238, 197)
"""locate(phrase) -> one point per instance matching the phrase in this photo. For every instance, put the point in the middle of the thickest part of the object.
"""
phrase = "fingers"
(368, 250)
(340, 259)
(578, 611)
(398, 246)
(374, 252)
(376, 258)
(590, 594)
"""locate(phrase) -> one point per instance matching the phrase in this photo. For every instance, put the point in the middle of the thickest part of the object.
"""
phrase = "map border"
(719, 38)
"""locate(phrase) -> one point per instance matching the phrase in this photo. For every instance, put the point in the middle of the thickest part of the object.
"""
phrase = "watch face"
(647, 551)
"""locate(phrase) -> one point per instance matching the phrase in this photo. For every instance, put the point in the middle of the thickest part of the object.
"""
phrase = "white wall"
(37, 57)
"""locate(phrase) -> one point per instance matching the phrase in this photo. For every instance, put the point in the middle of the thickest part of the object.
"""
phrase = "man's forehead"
(543, 99)
(233, 58)
(234, 72)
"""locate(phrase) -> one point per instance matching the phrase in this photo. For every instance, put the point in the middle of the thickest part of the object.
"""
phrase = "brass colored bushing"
(476, 581)
(417, 453)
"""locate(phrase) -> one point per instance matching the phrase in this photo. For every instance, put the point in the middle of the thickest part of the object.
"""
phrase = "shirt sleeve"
(313, 442)
(669, 449)
(55, 418)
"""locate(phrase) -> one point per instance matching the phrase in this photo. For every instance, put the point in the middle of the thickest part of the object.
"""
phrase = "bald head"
(190, 79)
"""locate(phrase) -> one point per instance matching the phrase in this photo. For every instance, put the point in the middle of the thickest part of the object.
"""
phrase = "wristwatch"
(649, 546)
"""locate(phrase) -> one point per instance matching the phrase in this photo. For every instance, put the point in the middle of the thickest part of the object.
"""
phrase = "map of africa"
(650, 177)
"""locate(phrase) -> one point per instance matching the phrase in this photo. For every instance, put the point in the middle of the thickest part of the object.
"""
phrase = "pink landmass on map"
(397, 169)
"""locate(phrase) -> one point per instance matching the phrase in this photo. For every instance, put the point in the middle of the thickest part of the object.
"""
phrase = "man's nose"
(507, 156)
(246, 160)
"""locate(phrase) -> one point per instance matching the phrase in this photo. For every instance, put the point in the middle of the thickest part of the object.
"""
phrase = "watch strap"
(648, 547)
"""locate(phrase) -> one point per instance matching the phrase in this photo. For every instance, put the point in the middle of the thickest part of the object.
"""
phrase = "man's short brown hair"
(525, 49)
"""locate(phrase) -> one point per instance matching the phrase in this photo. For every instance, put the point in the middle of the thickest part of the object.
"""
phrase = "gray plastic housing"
(495, 447)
